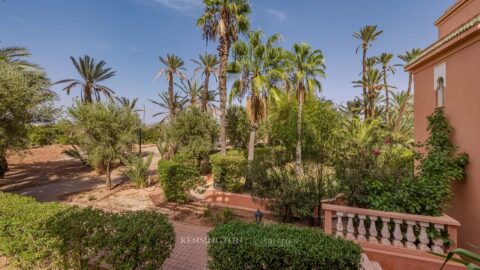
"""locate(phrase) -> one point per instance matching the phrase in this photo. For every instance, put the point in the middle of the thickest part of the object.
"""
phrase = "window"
(440, 83)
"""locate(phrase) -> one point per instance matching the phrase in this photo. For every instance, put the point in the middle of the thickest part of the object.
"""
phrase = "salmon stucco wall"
(462, 108)
(458, 16)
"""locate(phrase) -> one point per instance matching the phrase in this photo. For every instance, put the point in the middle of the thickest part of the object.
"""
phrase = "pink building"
(447, 74)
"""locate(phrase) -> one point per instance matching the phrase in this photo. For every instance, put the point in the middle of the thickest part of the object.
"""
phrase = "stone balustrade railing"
(408, 231)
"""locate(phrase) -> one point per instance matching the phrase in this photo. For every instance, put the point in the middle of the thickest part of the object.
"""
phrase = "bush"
(226, 215)
(253, 246)
(229, 170)
(138, 169)
(177, 179)
(53, 236)
(237, 126)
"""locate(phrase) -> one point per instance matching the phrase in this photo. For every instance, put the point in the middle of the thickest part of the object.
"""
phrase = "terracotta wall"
(234, 200)
(458, 17)
(462, 107)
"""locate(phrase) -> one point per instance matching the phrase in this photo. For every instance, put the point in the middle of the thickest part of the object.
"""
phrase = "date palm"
(256, 66)
(130, 103)
(224, 20)
(169, 105)
(373, 83)
(192, 90)
(207, 65)
(366, 35)
(15, 56)
(407, 58)
(92, 74)
(384, 59)
(173, 67)
(307, 66)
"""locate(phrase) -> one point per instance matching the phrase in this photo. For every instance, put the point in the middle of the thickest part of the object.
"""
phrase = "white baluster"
(438, 242)
(385, 232)
(373, 230)
(397, 233)
(339, 224)
(361, 229)
(423, 237)
(410, 244)
(350, 228)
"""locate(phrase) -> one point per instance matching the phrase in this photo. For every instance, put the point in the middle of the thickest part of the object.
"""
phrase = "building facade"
(447, 75)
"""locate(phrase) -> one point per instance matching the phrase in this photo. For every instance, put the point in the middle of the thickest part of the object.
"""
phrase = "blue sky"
(130, 35)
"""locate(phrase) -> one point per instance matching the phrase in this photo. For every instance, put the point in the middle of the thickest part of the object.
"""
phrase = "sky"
(130, 35)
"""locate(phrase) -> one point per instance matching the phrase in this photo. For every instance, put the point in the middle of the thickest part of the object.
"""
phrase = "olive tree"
(106, 133)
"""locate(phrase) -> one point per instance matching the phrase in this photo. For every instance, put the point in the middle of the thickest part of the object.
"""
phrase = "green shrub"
(176, 180)
(255, 246)
(229, 170)
(226, 215)
(271, 155)
(138, 169)
(23, 232)
(53, 236)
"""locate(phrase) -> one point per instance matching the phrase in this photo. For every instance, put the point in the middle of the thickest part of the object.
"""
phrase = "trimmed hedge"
(176, 180)
(229, 170)
(52, 236)
(253, 246)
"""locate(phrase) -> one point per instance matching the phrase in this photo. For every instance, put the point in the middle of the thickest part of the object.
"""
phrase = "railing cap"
(444, 219)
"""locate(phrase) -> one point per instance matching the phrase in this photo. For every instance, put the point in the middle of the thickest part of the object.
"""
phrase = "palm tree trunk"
(205, 91)
(404, 105)
(88, 94)
(364, 72)
(251, 143)
(223, 49)
(171, 95)
(298, 152)
(387, 96)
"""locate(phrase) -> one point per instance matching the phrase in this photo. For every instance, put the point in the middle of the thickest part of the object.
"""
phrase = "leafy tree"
(106, 133)
(224, 20)
(307, 67)
(173, 67)
(407, 58)
(92, 74)
(24, 101)
(366, 35)
(207, 65)
(237, 126)
(257, 65)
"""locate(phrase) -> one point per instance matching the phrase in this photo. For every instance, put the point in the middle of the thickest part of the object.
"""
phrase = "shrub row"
(52, 236)
(177, 179)
(229, 170)
(253, 246)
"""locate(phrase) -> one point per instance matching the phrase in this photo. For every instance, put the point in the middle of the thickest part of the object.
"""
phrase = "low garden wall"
(234, 200)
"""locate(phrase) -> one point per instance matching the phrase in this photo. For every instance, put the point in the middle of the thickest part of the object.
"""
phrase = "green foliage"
(252, 246)
(24, 101)
(137, 169)
(106, 133)
(428, 192)
(226, 215)
(23, 232)
(468, 258)
(237, 126)
(229, 170)
(177, 179)
(53, 236)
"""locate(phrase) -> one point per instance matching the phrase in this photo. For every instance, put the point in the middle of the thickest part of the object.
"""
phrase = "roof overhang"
(451, 10)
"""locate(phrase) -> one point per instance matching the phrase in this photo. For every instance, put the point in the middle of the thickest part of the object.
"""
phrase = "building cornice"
(451, 10)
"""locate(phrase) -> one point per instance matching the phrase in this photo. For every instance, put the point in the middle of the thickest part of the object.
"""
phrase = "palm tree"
(130, 103)
(366, 35)
(384, 60)
(404, 130)
(173, 67)
(307, 67)
(192, 90)
(207, 64)
(407, 58)
(225, 20)
(15, 55)
(92, 74)
(256, 65)
(171, 105)
(372, 82)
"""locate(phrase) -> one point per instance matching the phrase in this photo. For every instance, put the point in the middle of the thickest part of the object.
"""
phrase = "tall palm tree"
(207, 65)
(171, 106)
(407, 58)
(307, 67)
(173, 67)
(15, 55)
(256, 65)
(373, 83)
(92, 74)
(225, 20)
(404, 130)
(366, 35)
(192, 90)
(384, 60)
